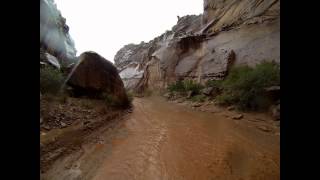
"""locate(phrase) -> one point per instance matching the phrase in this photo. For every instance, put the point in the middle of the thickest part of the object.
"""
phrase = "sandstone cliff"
(54, 33)
(229, 32)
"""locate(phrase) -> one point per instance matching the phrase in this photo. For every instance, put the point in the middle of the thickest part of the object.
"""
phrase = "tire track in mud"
(142, 159)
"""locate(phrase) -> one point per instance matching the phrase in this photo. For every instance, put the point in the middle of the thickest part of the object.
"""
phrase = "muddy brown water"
(163, 141)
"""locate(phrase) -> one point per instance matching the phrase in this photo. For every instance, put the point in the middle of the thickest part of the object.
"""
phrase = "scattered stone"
(273, 88)
(207, 91)
(166, 95)
(46, 127)
(264, 128)
(275, 111)
(196, 105)
(43, 133)
(226, 115)
(213, 111)
(180, 101)
(190, 94)
(273, 92)
(63, 125)
(53, 60)
(206, 103)
(41, 120)
(211, 102)
(230, 108)
(215, 103)
(253, 120)
(260, 119)
(86, 122)
(237, 117)
(88, 128)
(68, 166)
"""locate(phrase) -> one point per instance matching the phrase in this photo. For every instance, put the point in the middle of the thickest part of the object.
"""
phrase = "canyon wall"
(54, 33)
(201, 47)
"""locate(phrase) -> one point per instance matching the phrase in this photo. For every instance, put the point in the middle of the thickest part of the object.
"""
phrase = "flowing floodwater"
(164, 141)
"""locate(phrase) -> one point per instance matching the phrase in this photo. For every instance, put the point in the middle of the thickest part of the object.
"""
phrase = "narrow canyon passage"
(162, 140)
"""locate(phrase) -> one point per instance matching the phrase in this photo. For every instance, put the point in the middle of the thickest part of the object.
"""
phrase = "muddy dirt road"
(160, 140)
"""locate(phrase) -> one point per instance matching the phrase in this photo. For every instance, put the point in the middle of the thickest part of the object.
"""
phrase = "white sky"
(105, 26)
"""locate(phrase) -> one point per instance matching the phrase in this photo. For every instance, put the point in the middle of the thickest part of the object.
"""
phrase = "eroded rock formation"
(54, 33)
(202, 47)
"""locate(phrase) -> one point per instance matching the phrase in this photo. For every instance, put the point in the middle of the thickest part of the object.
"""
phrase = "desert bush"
(214, 83)
(185, 86)
(190, 85)
(244, 86)
(176, 87)
(51, 80)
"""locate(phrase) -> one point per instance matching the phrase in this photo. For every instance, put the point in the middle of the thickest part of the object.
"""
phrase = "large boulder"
(94, 76)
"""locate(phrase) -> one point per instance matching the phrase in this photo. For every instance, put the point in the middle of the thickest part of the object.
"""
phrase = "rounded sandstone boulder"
(96, 77)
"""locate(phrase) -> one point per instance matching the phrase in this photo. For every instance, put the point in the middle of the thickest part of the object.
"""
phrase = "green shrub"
(225, 99)
(176, 87)
(190, 85)
(198, 98)
(244, 86)
(214, 83)
(51, 80)
(185, 86)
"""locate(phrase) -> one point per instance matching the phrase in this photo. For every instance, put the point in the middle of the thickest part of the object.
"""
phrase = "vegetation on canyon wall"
(244, 87)
(183, 86)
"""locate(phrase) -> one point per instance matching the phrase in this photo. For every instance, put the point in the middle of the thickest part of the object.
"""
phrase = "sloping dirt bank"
(164, 140)
(67, 123)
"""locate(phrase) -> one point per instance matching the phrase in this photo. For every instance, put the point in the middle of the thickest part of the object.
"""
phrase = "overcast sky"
(105, 26)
